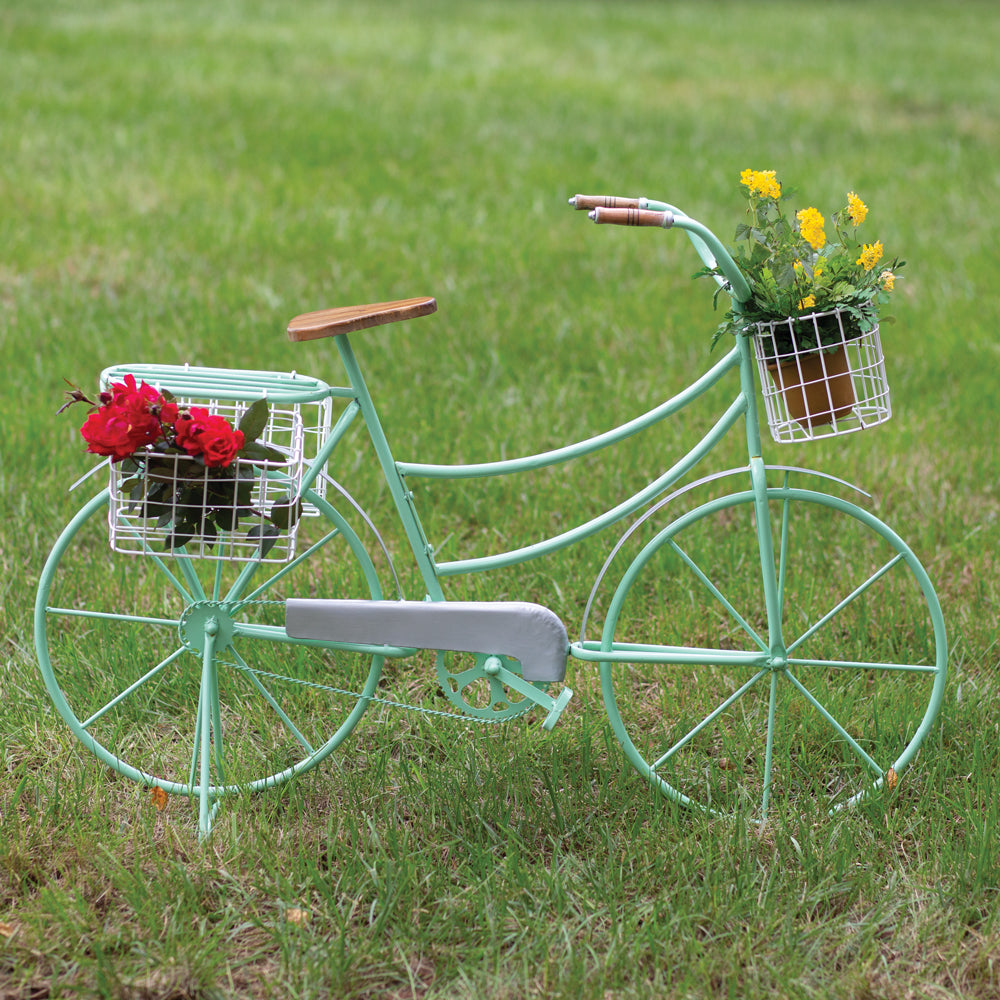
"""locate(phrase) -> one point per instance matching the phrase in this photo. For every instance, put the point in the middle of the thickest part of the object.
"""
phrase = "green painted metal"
(640, 499)
(210, 633)
(225, 383)
(214, 629)
(778, 666)
(581, 448)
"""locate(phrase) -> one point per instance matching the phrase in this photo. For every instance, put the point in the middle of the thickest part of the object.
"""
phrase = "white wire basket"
(158, 502)
(812, 392)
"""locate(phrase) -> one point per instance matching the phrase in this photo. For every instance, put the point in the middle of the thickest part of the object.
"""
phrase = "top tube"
(558, 455)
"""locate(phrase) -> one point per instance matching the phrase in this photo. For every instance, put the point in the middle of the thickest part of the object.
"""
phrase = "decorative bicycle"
(219, 666)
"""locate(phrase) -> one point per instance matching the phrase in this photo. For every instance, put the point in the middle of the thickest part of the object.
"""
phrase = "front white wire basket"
(248, 497)
(809, 392)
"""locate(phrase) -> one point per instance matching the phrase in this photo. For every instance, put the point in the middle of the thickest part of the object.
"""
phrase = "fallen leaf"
(296, 916)
(7, 930)
(159, 798)
(891, 779)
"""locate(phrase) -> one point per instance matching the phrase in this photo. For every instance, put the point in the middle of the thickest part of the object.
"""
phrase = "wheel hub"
(203, 619)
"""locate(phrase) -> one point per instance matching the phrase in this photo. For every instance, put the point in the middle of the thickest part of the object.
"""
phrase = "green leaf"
(254, 451)
(182, 534)
(228, 518)
(253, 422)
(267, 534)
(132, 487)
(286, 512)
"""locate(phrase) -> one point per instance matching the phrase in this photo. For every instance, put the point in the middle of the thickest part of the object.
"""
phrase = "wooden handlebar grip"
(589, 201)
(631, 217)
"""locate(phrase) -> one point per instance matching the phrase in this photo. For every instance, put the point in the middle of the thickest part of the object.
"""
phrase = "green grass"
(179, 180)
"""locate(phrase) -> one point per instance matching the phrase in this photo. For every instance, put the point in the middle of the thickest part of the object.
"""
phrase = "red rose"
(188, 426)
(133, 397)
(168, 412)
(115, 431)
(124, 424)
(221, 442)
(209, 435)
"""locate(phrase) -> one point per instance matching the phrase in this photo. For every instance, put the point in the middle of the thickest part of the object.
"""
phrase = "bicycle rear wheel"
(177, 672)
(738, 720)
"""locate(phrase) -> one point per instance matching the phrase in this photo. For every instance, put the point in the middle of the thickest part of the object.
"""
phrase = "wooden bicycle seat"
(347, 319)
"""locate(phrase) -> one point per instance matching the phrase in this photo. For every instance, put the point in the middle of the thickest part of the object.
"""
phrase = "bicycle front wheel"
(177, 672)
(721, 712)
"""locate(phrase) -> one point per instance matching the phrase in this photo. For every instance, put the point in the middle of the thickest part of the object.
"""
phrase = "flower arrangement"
(188, 468)
(794, 269)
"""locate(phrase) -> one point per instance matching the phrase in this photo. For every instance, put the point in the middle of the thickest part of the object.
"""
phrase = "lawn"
(179, 180)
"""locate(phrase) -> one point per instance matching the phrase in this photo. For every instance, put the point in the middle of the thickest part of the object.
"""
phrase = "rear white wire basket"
(247, 497)
(809, 392)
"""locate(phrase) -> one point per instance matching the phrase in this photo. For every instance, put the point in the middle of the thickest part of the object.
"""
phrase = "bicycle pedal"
(557, 709)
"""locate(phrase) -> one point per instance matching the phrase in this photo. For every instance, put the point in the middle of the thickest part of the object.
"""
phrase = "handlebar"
(631, 217)
(610, 209)
(588, 201)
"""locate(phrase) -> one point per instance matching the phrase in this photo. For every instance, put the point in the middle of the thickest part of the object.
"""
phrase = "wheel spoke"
(783, 553)
(217, 585)
(132, 688)
(708, 720)
(718, 595)
(244, 577)
(851, 597)
(841, 731)
(190, 574)
(289, 567)
(112, 616)
(906, 668)
(151, 555)
(251, 675)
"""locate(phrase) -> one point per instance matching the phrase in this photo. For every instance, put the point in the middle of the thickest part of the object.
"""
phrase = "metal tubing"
(579, 449)
(401, 496)
(515, 556)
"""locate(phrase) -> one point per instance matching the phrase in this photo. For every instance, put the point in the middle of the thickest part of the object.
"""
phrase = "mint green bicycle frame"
(773, 656)
(396, 473)
(212, 625)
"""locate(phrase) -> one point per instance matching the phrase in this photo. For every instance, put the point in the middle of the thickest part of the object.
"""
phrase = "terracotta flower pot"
(817, 386)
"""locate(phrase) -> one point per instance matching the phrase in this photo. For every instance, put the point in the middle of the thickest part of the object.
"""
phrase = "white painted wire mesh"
(141, 525)
(809, 392)
(141, 522)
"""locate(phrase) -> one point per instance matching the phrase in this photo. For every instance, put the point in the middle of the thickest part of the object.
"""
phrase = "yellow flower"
(811, 225)
(856, 208)
(762, 182)
(887, 280)
(807, 303)
(871, 254)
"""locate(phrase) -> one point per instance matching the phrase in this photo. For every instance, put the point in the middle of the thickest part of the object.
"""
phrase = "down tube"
(511, 558)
